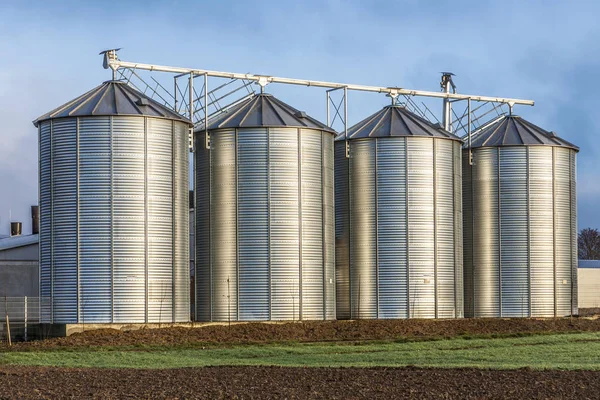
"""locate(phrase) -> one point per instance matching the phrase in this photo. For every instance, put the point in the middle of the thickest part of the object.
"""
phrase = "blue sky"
(547, 51)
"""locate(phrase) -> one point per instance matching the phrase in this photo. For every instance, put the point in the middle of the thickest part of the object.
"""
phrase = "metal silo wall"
(284, 225)
(45, 194)
(541, 206)
(160, 215)
(129, 220)
(342, 232)
(392, 250)
(108, 227)
(458, 231)
(64, 221)
(523, 242)
(223, 225)
(328, 225)
(448, 268)
(253, 226)
(312, 228)
(405, 259)
(574, 231)
(181, 215)
(421, 227)
(202, 258)
(270, 211)
(485, 279)
(363, 279)
(562, 224)
(467, 204)
(574, 234)
(514, 231)
(95, 219)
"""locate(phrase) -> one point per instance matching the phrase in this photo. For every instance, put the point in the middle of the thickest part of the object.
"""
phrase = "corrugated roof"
(512, 130)
(13, 242)
(264, 110)
(111, 98)
(395, 121)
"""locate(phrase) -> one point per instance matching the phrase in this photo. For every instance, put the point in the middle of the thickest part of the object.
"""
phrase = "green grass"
(566, 351)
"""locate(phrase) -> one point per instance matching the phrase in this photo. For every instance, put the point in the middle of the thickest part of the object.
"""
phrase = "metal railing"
(22, 314)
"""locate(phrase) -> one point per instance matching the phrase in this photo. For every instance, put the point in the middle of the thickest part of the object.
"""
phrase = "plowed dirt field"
(295, 383)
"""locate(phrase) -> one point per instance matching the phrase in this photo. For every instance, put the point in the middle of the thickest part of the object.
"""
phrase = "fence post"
(8, 330)
(25, 318)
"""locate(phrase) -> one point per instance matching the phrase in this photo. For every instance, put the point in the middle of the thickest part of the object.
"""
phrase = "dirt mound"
(589, 312)
(251, 333)
(295, 383)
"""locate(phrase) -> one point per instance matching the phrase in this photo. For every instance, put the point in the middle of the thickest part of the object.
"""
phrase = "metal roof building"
(264, 215)
(520, 222)
(19, 266)
(395, 121)
(114, 209)
(398, 219)
(512, 130)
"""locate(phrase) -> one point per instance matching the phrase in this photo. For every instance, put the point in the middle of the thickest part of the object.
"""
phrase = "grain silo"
(398, 219)
(520, 226)
(264, 215)
(114, 210)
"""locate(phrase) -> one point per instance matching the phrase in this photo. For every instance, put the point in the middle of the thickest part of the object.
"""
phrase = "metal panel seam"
(52, 219)
(407, 232)
(300, 239)
(376, 232)
(40, 220)
(349, 159)
(112, 230)
(269, 222)
(499, 233)
(77, 213)
(146, 217)
(175, 237)
(435, 223)
(528, 231)
(323, 244)
(237, 228)
(554, 228)
(210, 249)
(455, 236)
(571, 226)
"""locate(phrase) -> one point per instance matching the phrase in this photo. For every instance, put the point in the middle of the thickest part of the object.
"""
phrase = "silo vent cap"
(300, 114)
(142, 101)
(552, 133)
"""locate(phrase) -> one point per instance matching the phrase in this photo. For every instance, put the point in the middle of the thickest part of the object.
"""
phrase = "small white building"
(588, 286)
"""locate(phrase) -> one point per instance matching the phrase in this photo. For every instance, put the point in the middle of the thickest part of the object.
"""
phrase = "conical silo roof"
(395, 121)
(111, 98)
(262, 111)
(512, 130)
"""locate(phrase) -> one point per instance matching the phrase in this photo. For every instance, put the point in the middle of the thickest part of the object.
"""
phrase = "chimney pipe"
(15, 229)
(35, 220)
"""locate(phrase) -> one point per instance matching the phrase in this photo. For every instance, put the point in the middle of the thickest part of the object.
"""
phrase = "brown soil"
(589, 312)
(314, 332)
(295, 383)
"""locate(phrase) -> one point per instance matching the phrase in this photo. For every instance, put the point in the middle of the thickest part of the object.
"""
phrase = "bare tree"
(589, 244)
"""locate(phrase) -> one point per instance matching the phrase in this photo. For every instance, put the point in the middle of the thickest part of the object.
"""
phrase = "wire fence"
(22, 315)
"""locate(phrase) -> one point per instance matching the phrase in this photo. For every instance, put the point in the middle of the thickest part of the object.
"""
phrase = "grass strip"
(565, 351)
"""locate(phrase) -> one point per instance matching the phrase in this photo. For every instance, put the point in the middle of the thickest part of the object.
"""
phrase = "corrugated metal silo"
(398, 219)
(264, 215)
(114, 210)
(520, 226)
